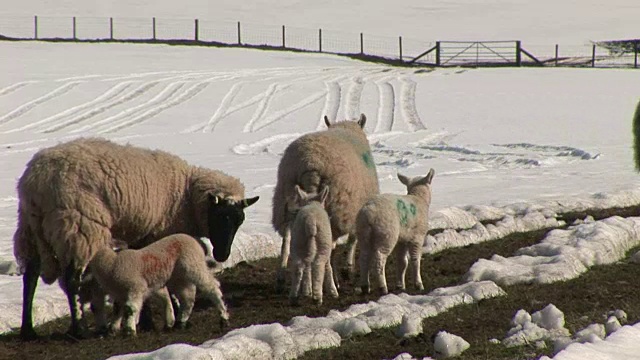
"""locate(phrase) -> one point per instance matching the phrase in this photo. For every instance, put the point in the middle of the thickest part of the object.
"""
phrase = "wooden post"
(74, 28)
(593, 56)
(111, 28)
(154, 28)
(518, 53)
(361, 44)
(196, 29)
(635, 59)
(239, 38)
(438, 53)
(35, 27)
(284, 45)
(320, 40)
(400, 46)
(557, 52)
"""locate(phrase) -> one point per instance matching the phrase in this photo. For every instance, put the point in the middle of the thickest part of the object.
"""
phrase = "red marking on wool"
(174, 249)
(152, 263)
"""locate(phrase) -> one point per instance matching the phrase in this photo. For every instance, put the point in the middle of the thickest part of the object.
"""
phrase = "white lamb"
(176, 262)
(311, 245)
(389, 221)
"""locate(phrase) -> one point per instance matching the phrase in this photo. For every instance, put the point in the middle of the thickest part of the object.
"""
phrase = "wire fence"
(383, 48)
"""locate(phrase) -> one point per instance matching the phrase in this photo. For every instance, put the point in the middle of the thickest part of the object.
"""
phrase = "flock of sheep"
(124, 222)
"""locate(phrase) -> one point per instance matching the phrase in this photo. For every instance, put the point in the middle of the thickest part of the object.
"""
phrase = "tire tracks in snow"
(11, 88)
(185, 95)
(331, 102)
(408, 109)
(111, 93)
(386, 106)
(26, 107)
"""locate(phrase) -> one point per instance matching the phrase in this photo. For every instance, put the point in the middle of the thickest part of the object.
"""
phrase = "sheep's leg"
(350, 270)
(379, 263)
(116, 319)
(284, 259)
(334, 263)
(212, 290)
(131, 314)
(186, 297)
(98, 302)
(365, 265)
(401, 265)
(329, 284)
(415, 253)
(298, 270)
(318, 269)
(29, 284)
(169, 317)
(307, 287)
(71, 283)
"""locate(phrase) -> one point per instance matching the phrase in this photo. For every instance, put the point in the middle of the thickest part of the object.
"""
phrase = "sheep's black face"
(225, 217)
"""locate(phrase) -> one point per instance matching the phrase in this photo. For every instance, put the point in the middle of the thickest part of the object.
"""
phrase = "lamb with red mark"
(175, 263)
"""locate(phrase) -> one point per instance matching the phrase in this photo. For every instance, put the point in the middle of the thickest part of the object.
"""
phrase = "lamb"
(76, 196)
(339, 157)
(311, 245)
(175, 263)
(390, 221)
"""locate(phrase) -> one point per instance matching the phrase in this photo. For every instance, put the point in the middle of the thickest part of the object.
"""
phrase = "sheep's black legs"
(29, 283)
(72, 279)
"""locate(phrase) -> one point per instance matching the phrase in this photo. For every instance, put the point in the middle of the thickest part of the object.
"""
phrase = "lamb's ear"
(326, 121)
(403, 179)
(248, 202)
(427, 179)
(362, 121)
(324, 194)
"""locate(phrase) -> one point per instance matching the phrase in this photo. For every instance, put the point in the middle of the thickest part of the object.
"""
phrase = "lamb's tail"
(636, 136)
(24, 247)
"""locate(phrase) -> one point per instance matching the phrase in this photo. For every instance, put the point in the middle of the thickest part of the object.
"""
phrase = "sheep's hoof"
(317, 301)
(364, 290)
(334, 294)
(128, 332)
(28, 334)
(224, 323)
(102, 331)
(345, 273)
(420, 287)
(383, 291)
(294, 301)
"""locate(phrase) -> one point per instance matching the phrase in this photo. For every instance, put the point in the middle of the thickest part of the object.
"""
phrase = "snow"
(448, 345)
(513, 147)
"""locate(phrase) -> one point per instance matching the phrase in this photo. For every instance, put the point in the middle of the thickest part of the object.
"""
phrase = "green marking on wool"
(403, 211)
(368, 160)
(412, 209)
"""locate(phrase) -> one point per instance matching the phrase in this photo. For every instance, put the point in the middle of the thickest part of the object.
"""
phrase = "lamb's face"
(224, 218)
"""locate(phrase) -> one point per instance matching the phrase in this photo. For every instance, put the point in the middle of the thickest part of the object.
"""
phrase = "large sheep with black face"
(340, 158)
(76, 196)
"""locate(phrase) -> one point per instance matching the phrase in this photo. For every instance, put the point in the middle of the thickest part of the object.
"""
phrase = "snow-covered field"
(515, 145)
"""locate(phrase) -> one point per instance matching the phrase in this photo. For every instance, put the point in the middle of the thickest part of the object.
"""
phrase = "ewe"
(390, 221)
(339, 157)
(76, 196)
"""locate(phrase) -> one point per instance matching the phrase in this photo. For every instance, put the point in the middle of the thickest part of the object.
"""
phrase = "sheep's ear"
(403, 179)
(300, 194)
(427, 179)
(324, 194)
(362, 121)
(326, 121)
(248, 202)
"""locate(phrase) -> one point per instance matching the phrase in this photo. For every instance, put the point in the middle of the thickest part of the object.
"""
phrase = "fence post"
(197, 28)
(239, 38)
(111, 28)
(557, 51)
(400, 46)
(320, 40)
(438, 53)
(518, 53)
(635, 59)
(74, 28)
(35, 27)
(283, 37)
(154, 28)
(593, 56)
(361, 44)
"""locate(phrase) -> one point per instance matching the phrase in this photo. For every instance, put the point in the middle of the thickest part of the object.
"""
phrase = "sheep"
(311, 245)
(339, 157)
(175, 263)
(390, 221)
(76, 196)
